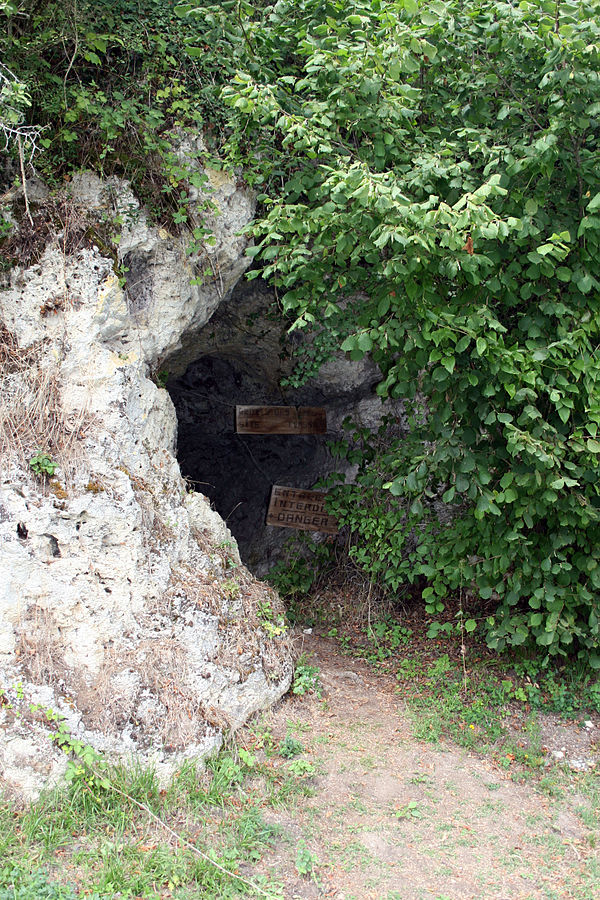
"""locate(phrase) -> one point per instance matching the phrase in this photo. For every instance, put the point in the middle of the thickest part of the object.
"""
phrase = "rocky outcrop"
(124, 606)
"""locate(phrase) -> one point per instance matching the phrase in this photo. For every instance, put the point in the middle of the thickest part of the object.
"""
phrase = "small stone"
(558, 754)
(588, 723)
(579, 765)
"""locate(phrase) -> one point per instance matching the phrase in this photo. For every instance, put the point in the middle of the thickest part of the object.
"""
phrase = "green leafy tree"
(430, 177)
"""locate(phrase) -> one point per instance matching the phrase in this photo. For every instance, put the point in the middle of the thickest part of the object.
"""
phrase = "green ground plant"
(272, 623)
(132, 838)
(411, 810)
(290, 747)
(306, 862)
(303, 566)
(42, 464)
(306, 678)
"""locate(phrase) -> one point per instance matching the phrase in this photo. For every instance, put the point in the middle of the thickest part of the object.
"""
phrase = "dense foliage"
(107, 84)
(437, 205)
(430, 178)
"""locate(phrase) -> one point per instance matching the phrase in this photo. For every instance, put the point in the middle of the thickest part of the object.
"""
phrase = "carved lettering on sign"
(280, 420)
(295, 508)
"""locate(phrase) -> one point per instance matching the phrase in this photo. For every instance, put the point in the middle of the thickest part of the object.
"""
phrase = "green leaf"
(531, 207)
(594, 203)
(462, 483)
(584, 282)
(383, 306)
(395, 488)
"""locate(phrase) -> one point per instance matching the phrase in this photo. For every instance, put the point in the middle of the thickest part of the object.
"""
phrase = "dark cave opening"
(240, 358)
(236, 471)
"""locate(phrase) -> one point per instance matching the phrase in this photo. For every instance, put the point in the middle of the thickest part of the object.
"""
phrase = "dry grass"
(39, 649)
(58, 221)
(242, 605)
(145, 689)
(32, 417)
(154, 671)
(155, 674)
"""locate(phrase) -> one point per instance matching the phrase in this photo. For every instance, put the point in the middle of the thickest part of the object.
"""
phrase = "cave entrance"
(236, 471)
(239, 358)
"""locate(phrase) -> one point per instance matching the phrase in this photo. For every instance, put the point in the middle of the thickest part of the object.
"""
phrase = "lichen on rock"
(117, 605)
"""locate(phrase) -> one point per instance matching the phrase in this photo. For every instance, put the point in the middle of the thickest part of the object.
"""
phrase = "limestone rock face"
(124, 607)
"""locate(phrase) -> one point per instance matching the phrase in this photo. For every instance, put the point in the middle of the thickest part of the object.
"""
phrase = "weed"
(42, 464)
(301, 768)
(263, 738)
(290, 747)
(305, 861)
(86, 766)
(440, 667)
(420, 778)
(304, 565)
(306, 678)
(411, 810)
(391, 633)
(409, 668)
(272, 623)
(161, 378)
(231, 588)
(17, 885)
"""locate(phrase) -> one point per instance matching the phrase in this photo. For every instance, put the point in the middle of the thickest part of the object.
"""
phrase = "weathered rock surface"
(123, 603)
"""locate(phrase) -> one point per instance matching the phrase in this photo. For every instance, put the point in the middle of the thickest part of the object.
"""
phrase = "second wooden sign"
(294, 508)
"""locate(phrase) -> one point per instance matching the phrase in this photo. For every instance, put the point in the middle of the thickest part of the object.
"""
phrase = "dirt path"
(391, 818)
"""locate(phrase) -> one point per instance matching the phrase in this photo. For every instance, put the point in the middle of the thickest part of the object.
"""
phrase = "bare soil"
(392, 818)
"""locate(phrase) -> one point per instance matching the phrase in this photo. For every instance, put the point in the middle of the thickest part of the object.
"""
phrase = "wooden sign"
(280, 420)
(293, 508)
